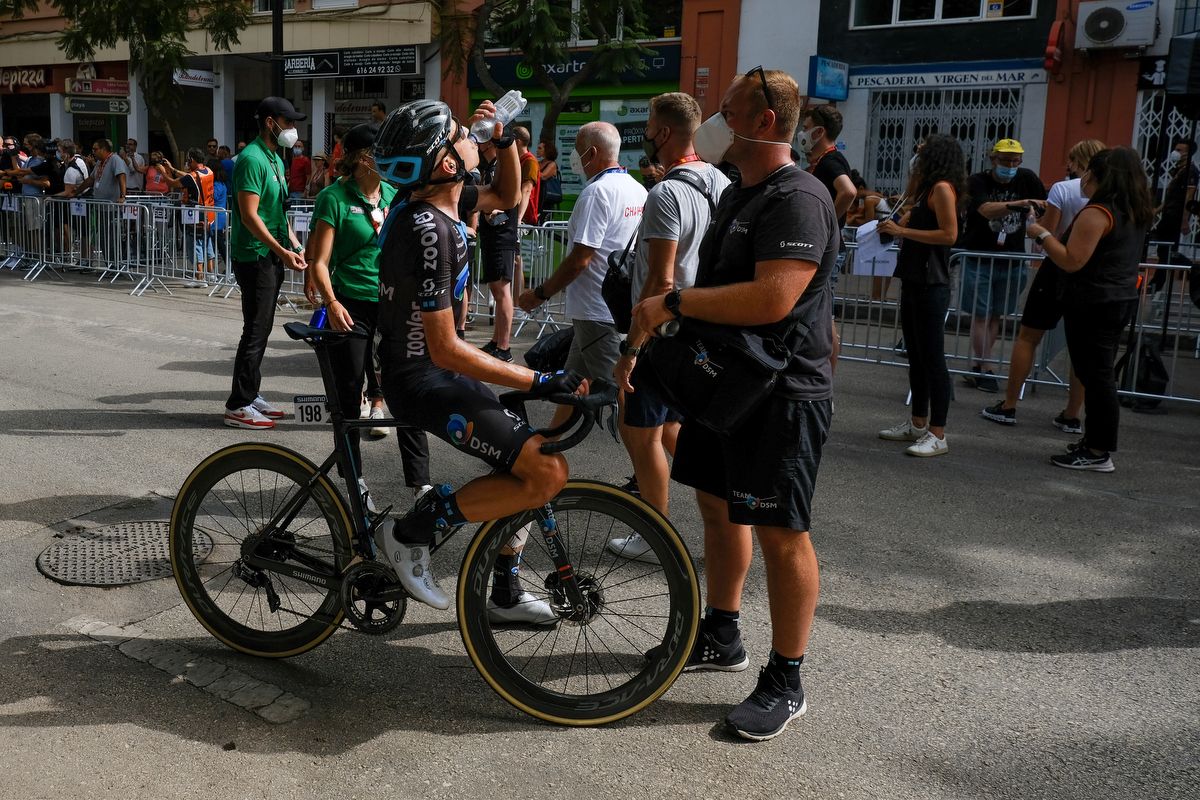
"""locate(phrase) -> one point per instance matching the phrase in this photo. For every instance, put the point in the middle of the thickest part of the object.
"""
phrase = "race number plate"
(310, 407)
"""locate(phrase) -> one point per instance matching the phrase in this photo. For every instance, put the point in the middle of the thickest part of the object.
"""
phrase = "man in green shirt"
(262, 243)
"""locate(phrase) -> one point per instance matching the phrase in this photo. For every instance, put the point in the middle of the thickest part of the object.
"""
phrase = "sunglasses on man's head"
(762, 77)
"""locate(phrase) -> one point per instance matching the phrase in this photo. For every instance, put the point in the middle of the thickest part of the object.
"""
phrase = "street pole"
(277, 48)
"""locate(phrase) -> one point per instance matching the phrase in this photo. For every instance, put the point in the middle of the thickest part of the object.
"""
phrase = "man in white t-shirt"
(75, 169)
(605, 218)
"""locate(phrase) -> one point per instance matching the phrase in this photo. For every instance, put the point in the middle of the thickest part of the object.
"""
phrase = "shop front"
(84, 102)
(625, 104)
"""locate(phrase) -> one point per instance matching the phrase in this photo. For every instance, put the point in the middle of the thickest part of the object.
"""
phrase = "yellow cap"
(1008, 146)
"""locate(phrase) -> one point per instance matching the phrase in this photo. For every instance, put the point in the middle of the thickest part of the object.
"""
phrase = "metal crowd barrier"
(867, 306)
(22, 228)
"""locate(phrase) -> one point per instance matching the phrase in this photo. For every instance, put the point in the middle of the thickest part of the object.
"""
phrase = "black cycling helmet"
(409, 140)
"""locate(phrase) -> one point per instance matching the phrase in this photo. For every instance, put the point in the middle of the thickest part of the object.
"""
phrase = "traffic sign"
(96, 105)
(93, 86)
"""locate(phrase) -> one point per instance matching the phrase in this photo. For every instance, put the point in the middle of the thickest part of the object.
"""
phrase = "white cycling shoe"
(633, 547)
(410, 562)
(528, 610)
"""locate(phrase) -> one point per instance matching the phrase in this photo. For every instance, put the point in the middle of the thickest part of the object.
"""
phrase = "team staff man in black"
(764, 265)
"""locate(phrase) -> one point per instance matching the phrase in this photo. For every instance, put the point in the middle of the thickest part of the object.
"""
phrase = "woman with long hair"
(343, 270)
(551, 181)
(1043, 307)
(927, 232)
(1100, 254)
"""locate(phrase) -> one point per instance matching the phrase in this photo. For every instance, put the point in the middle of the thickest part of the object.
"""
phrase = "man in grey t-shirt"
(675, 218)
(110, 173)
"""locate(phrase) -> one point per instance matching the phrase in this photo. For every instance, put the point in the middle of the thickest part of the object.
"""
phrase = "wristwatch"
(629, 350)
(540, 293)
(671, 301)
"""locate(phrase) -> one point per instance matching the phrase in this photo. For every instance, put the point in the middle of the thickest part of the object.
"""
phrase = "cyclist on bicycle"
(432, 375)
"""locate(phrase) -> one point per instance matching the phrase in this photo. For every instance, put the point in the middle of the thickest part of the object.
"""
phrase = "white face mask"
(287, 137)
(577, 163)
(298, 151)
(1174, 156)
(804, 141)
(714, 138)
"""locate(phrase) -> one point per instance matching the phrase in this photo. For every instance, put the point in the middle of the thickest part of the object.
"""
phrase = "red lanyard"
(814, 164)
(685, 160)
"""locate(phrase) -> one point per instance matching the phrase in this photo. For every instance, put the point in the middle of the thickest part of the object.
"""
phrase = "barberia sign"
(16, 77)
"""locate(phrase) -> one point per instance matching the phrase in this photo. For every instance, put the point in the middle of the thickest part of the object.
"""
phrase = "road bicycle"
(292, 559)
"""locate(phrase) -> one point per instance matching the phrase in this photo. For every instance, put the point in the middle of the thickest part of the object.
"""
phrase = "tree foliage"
(154, 31)
(541, 31)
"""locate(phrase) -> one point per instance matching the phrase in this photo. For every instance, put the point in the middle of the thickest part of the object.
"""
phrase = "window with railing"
(1187, 16)
(267, 6)
(881, 13)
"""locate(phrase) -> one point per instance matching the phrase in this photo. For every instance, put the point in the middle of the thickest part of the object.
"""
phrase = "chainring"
(372, 598)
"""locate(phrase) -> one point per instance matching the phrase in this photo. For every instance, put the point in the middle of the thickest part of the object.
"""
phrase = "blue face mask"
(1006, 173)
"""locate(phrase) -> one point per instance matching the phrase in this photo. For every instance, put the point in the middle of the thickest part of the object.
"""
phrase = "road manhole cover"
(115, 555)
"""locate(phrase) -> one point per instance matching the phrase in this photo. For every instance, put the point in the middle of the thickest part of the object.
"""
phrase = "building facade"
(341, 55)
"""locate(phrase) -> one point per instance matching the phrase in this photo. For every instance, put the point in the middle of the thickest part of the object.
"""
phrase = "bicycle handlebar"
(586, 407)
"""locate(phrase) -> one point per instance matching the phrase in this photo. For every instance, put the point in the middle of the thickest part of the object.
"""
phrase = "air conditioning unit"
(1107, 24)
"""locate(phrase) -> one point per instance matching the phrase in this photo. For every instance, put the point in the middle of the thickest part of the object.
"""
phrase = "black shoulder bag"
(617, 287)
(717, 375)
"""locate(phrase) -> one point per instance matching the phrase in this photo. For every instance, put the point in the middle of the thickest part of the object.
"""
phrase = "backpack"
(617, 286)
(549, 353)
(1151, 376)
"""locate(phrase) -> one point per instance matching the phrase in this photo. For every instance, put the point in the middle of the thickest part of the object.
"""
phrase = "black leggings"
(923, 319)
(350, 361)
(259, 282)
(1093, 335)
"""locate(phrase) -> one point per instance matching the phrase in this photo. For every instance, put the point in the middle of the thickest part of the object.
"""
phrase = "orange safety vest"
(204, 178)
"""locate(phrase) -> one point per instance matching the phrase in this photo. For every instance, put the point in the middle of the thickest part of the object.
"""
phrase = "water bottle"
(318, 318)
(507, 109)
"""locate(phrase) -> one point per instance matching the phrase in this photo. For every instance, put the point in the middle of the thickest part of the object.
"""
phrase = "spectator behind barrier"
(1043, 304)
(107, 179)
(765, 266)
(605, 216)
(551, 182)
(198, 185)
(927, 231)
(499, 244)
(135, 183)
(991, 287)
(1100, 256)
(156, 174)
(298, 171)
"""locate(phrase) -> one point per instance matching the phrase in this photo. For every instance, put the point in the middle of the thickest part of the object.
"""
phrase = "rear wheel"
(618, 653)
(233, 497)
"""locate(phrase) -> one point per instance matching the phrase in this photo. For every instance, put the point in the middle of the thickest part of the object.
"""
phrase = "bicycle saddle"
(300, 331)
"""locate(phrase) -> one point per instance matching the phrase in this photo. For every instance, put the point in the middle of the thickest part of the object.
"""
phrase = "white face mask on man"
(287, 137)
(1174, 156)
(714, 138)
(577, 163)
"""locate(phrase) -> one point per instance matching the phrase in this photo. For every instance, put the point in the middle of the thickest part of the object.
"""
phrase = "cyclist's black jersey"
(422, 267)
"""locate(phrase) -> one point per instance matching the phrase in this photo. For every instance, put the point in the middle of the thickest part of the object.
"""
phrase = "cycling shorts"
(459, 410)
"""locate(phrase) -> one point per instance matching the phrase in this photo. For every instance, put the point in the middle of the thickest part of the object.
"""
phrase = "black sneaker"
(973, 378)
(1083, 459)
(998, 413)
(490, 348)
(1068, 425)
(461, 334)
(631, 486)
(710, 654)
(987, 383)
(769, 708)
(504, 355)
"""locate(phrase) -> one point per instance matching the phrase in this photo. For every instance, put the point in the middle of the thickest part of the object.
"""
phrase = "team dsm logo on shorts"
(459, 430)
(755, 503)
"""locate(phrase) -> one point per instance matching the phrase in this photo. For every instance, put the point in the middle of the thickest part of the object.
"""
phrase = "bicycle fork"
(566, 593)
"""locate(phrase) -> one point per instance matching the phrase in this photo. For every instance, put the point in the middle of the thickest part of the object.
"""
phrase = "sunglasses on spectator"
(762, 77)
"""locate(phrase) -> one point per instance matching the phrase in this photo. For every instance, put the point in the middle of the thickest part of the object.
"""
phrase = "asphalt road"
(989, 627)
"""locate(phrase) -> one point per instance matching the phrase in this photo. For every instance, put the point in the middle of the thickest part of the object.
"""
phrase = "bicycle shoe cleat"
(411, 565)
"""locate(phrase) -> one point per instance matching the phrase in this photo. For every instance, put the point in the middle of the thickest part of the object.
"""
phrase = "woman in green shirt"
(342, 256)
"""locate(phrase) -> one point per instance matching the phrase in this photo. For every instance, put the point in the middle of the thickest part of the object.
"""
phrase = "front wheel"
(623, 649)
(240, 498)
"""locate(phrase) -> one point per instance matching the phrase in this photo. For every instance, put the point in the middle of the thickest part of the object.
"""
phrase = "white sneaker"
(633, 547)
(364, 411)
(904, 432)
(377, 433)
(411, 565)
(528, 610)
(420, 491)
(266, 409)
(247, 417)
(927, 446)
(366, 496)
